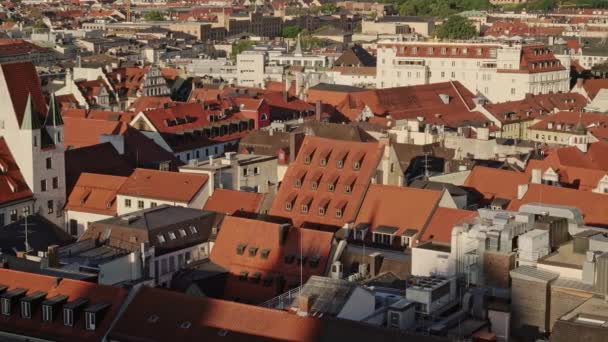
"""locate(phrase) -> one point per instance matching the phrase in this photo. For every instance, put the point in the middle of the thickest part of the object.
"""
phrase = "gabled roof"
(95, 193)
(495, 183)
(443, 220)
(80, 132)
(94, 294)
(53, 116)
(280, 243)
(13, 186)
(536, 106)
(355, 56)
(592, 205)
(159, 315)
(23, 83)
(315, 192)
(593, 86)
(230, 201)
(163, 185)
(384, 206)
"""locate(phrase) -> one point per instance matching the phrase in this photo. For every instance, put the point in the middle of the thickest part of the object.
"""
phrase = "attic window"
(288, 206)
(289, 258)
(172, 235)
(314, 261)
(153, 319)
(348, 188)
(323, 162)
(264, 253)
(240, 249)
(304, 208)
(339, 163)
(298, 182)
(161, 238)
(356, 165)
(331, 186)
(193, 230)
(253, 251)
(321, 211)
(182, 232)
(339, 213)
(307, 159)
(314, 185)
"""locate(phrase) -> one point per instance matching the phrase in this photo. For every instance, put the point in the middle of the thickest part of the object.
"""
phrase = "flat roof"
(565, 257)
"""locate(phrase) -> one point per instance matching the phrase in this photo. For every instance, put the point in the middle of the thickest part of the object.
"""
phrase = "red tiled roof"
(368, 154)
(536, 106)
(150, 102)
(249, 233)
(570, 119)
(22, 80)
(12, 184)
(74, 289)
(442, 50)
(163, 185)
(593, 86)
(208, 317)
(443, 220)
(592, 205)
(95, 193)
(79, 132)
(230, 201)
(383, 206)
(495, 183)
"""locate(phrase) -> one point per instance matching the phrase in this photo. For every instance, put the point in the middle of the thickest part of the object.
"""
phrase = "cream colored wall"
(83, 219)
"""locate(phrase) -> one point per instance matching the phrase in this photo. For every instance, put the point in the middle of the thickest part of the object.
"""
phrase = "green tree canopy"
(291, 31)
(456, 27)
(241, 46)
(154, 16)
(328, 8)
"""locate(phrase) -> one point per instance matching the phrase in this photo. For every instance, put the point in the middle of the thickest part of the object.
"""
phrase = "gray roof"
(337, 88)
(533, 274)
(41, 234)
(155, 218)
(329, 295)
(431, 185)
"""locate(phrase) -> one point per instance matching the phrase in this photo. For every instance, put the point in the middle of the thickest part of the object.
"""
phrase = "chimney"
(295, 141)
(283, 231)
(375, 263)
(305, 303)
(536, 176)
(286, 91)
(318, 110)
(579, 82)
(521, 190)
(53, 255)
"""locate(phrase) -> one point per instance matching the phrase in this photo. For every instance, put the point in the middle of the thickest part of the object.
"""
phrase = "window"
(43, 185)
(304, 208)
(356, 165)
(321, 211)
(49, 163)
(49, 205)
(153, 204)
(128, 203)
(323, 162)
(26, 311)
(348, 189)
(338, 213)
(172, 236)
(13, 215)
(161, 238)
(245, 172)
(55, 183)
(73, 227)
(253, 251)
(6, 306)
(47, 313)
(193, 230)
(331, 187)
(90, 320)
(298, 183)
(140, 204)
(288, 206)
(339, 163)
(314, 185)
(256, 170)
(512, 91)
(68, 317)
(182, 233)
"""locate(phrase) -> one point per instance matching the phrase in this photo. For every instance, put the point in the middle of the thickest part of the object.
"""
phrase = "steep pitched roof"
(208, 319)
(443, 220)
(94, 294)
(593, 86)
(496, 183)
(23, 82)
(230, 201)
(281, 243)
(165, 185)
(12, 184)
(329, 174)
(80, 132)
(355, 56)
(384, 206)
(592, 205)
(95, 193)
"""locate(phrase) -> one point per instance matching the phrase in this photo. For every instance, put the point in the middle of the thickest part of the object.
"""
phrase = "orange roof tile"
(237, 231)
(94, 293)
(592, 205)
(95, 193)
(165, 185)
(495, 183)
(12, 184)
(443, 220)
(80, 132)
(230, 201)
(384, 206)
(344, 186)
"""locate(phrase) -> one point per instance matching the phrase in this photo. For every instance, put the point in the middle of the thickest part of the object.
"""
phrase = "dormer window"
(265, 253)
(356, 165)
(339, 213)
(321, 211)
(307, 159)
(253, 251)
(70, 310)
(298, 183)
(314, 185)
(339, 163)
(288, 206)
(331, 187)
(348, 188)
(51, 307)
(323, 162)
(29, 303)
(10, 299)
(304, 208)
(240, 249)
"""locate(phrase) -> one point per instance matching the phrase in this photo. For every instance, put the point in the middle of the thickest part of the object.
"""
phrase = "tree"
(542, 5)
(328, 8)
(456, 27)
(241, 46)
(39, 25)
(291, 31)
(154, 16)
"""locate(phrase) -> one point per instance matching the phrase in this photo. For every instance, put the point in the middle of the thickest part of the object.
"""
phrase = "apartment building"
(497, 71)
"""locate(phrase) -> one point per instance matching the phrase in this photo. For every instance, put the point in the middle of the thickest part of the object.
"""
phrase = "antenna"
(27, 244)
